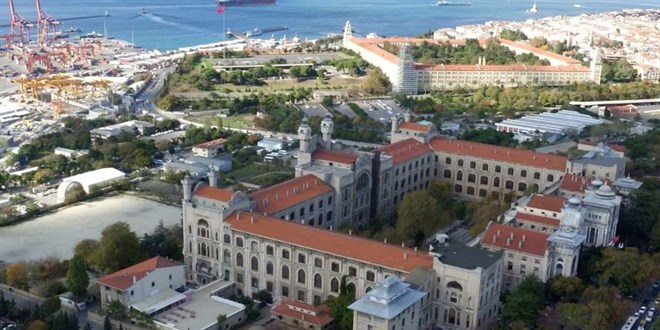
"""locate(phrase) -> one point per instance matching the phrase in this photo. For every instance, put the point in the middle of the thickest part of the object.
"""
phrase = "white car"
(649, 318)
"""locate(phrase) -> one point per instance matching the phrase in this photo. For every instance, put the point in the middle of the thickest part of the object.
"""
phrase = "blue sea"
(171, 24)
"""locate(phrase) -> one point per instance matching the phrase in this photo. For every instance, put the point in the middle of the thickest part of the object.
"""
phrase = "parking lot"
(313, 109)
(645, 314)
(381, 110)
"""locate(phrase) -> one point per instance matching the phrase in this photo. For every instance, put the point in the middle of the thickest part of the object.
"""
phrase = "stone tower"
(307, 143)
(327, 127)
(596, 66)
(395, 124)
(406, 76)
(565, 243)
(348, 33)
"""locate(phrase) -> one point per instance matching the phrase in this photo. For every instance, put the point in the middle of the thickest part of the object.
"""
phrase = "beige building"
(148, 286)
(209, 149)
(412, 78)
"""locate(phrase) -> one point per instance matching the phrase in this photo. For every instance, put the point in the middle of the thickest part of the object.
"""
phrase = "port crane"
(19, 27)
(46, 24)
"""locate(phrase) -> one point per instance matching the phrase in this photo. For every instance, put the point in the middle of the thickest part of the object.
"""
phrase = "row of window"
(498, 169)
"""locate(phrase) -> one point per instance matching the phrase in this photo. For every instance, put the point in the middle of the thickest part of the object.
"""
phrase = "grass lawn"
(288, 84)
(251, 171)
(270, 179)
(240, 121)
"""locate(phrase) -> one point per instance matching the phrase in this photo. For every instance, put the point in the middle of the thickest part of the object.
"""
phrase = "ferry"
(241, 3)
(142, 12)
(448, 3)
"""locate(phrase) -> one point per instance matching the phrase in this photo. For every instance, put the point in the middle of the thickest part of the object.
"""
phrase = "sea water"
(170, 24)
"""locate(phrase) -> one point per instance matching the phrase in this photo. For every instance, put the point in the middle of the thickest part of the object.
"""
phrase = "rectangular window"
(285, 291)
(269, 250)
(255, 282)
(301, 295)
(269, 287)
(335, 267)
(301, 258)
(318, 262)
(285, 254)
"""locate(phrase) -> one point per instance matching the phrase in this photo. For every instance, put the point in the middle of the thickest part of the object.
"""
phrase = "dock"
(255, 32)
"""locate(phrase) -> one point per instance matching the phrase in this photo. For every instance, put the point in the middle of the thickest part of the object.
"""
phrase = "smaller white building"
(271, 144)
(88, 180)
(148, 286)
(391, 305)
(69, 153)
(209, 149)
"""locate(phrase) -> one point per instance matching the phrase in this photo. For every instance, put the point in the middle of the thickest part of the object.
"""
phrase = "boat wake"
(161, 20)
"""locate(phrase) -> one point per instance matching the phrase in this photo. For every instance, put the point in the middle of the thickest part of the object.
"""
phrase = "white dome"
(574, 201)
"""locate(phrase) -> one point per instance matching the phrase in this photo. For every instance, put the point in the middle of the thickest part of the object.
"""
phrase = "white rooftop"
(387, 300)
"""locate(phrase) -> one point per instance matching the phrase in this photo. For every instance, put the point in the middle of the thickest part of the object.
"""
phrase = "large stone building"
(410, 78)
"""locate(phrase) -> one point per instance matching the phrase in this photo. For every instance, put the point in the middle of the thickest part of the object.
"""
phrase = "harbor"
(255, 33)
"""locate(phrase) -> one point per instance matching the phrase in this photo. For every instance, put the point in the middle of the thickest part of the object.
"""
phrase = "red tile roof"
(316, 315)
(547, 202)
(521, 240)
(289, 193)
(414, 127)
(405, 150)
(332, 242)
(509, 67)
(509, 155)
(335, 156)
(538, 51)
(211, 144)
(123, 279)
(218, 194)
(537, 219)
(577, 183)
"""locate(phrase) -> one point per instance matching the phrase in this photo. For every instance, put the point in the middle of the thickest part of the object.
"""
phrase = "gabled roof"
(503, 154)
(516, 239)
(334, 156)
(332, 242)
(218, 194)
(211, 144)
(547, 202)
(316, 315)
(405, 150)
(414, 127)
(537, 219)
(289, 193)
(124, 279)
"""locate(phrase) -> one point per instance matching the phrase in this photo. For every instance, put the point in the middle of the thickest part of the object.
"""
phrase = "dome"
(574, 201)
(327, 121)
(605, 191)
(597, 183)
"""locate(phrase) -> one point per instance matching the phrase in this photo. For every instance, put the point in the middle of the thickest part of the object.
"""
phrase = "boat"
(448, 3)
(533, 9)
(577, 5)
(142, 12)
(74, 29)
(245, 3)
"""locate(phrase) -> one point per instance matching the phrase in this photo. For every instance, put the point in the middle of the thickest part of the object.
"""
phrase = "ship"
(142, 12)
(245, 3)
(447, 3)
(533, 9)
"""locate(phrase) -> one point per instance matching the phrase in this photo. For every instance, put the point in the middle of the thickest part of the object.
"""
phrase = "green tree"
(17, 275)
(524, 302)
(599, 308)
(568, 289)
(86, 249)
(513, 35)
(626, 269)
(418, 216)
(119, 248)
(51, 306)
(77, 279)
(339, 306)
(37, 325)
(107, 325)
(376, 83)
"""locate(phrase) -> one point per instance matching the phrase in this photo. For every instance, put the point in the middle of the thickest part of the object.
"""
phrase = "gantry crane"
(46, 25)
(19, 27)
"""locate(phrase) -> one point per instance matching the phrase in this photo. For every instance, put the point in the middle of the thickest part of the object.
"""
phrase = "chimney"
(523, 238)
(287, 192)
(534, 157)
(511, 236)
(252, 219)
(494, 238)
(330, 228)
(508, 241)
(350, 232)
(498, 232)
(415, 249)
(508, 153)
(238, 216)
(277, 196)
(134, 279)
(405, 255)
(385, 240)
(520, 244)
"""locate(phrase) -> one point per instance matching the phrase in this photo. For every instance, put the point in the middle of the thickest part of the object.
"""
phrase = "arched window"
(453, 297)
(334, 285)
(227, 239)
(371, 276)
(460, 162)
(254, 246)
(447, 174)
(455, 285)
(470, 190)
(239, 242)
(459, 176)
(473, 164)
(472, 178)
(484, 167)
(537, 175)
(226, 257)
(202, 249)
(452, 316)
(496, 182)
(559, 269)
(508, 184)
(522, 186)
(318, 281)
(320, 219)
(285, 272)
(509, 171)
(362, 182)
(483, 192)
(239, 259)
(269, 268)
(483, 179)
(301, 276)
(551, 178)
(523, 173)
(458, 188)
(369, 289)
(254, 264)
(447, 160)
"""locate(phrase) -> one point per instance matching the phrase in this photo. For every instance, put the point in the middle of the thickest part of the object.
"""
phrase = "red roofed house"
(209, 149)
(304, 316)
(148, 286)
(403, 128)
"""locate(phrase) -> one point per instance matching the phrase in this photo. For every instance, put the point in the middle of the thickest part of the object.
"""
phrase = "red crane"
(46, 25)
(19, 27)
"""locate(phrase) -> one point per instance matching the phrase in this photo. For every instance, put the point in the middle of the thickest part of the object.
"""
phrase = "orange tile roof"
(218, 194)
(405, 150)
(577, 183)
(123, 279)
(537, 219)
(509, 67)
(289, 193)
(211, 144)
(332, 242)
(316, 315)
(521, 240)
(414, 127)
(615, 147)
(547, 202)
(334, 156)
(503, 154)
(538, 51)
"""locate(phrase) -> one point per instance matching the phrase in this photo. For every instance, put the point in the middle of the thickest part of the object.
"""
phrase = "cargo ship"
(241, 3)
(447, 3)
